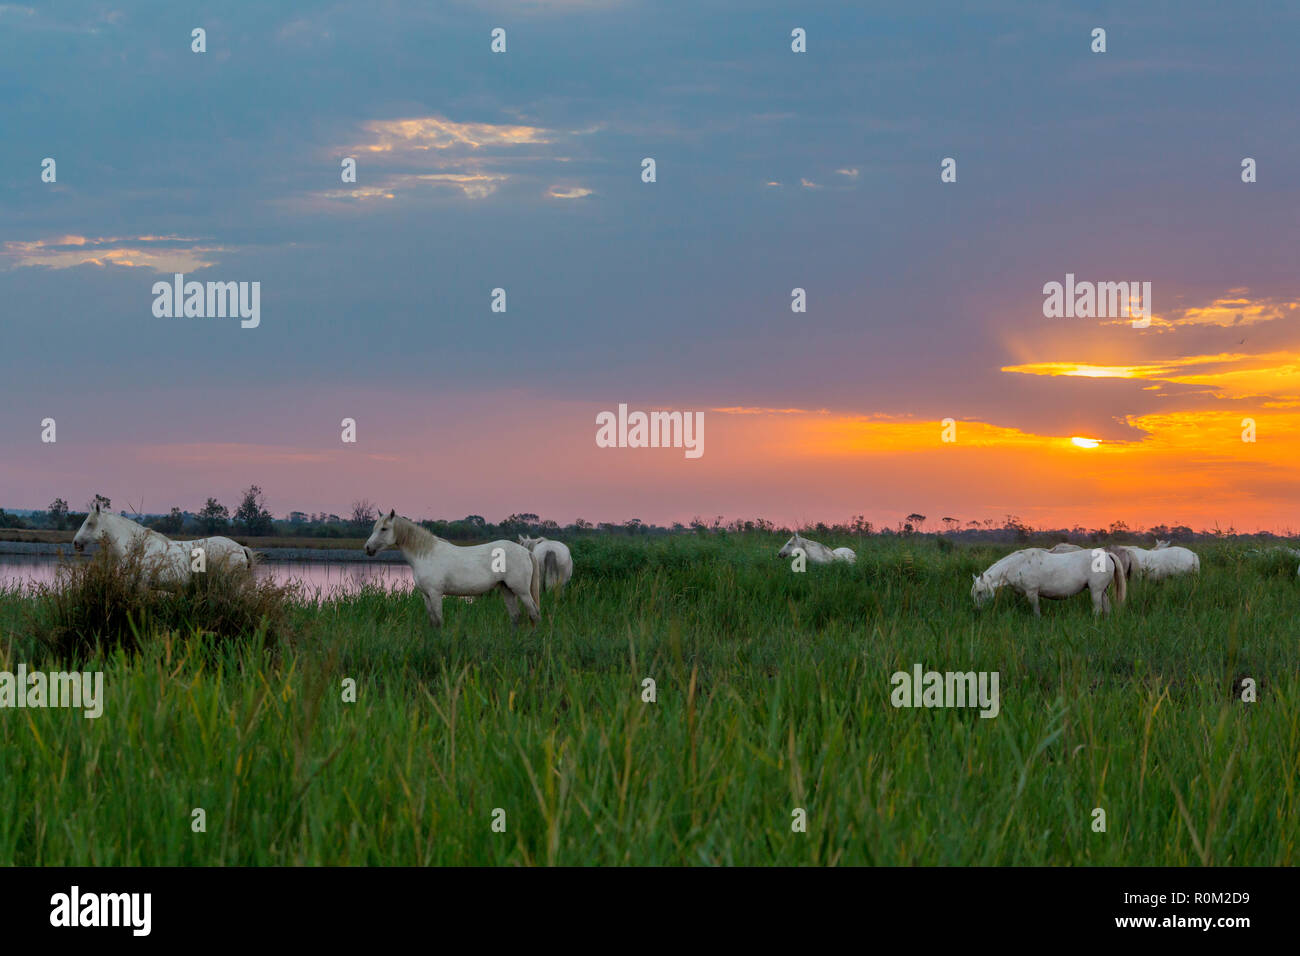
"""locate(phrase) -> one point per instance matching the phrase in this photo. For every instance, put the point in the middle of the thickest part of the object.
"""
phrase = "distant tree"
(582, 524)
(475, 521)
(916, 520)
(952, 524)
(11, 521)
(170, 523)
(213, 517)
(1013, 524)
(519, 523)
(251, 517)
(364, 513)
(58, 512)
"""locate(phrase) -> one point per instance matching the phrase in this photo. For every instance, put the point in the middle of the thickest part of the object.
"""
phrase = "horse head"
(384, 534)
(89, 531)
(789, 547)
(981, 590)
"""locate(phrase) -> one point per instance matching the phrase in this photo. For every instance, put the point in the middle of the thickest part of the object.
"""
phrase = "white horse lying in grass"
(1163, 561)
(168, 561)
(440, 567)
(817, 553)
(1037, 573)
(555, 558)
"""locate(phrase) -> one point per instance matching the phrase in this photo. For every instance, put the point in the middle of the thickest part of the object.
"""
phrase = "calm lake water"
(327, 577)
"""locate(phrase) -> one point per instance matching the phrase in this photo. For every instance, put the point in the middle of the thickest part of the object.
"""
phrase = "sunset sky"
(775, 170)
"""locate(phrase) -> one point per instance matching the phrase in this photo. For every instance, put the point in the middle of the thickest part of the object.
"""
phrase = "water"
(327, 577)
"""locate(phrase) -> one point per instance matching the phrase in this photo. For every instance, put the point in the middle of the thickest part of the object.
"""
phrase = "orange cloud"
(66, 252)
(422, 133)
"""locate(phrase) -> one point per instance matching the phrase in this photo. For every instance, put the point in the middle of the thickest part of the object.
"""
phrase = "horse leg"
(534, 612)
(1033, 599)
(512, 605)
(525, 598)
(433, 604)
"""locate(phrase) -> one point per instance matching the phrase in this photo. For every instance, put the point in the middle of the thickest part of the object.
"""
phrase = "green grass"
(773, 693)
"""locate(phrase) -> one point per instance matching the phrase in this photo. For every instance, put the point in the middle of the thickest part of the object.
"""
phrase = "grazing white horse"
(555, 558)
(167, 560)
(1162, 562)
(817, 553)
(1037, 573)
(440, 567)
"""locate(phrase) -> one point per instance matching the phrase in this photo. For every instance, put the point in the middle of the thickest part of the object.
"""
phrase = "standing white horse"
(817, 553)
(440, 567)
(1163, 561)
(555, 558)
(1037, 573)
(167, 560)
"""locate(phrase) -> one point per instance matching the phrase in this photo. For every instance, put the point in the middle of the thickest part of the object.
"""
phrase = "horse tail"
(1120, 576)
(250, 557)
(535, 586)
(550, 569)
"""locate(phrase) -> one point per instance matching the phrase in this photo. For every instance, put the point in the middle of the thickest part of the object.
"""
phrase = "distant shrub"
(111, 603)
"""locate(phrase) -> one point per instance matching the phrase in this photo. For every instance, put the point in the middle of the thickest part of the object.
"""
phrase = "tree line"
(252, 518)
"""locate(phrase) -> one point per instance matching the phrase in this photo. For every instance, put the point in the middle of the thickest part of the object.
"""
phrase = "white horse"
(556, 560)
(168, 561)
(817, 553)
(1037, 573)
(440, 567)
(1162, 562)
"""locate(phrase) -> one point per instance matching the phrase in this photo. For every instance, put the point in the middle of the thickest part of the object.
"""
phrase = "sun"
(1084, 442)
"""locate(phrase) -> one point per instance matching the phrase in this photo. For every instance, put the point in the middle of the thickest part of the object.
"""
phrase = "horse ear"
(96, 507)
(392, 513)
(974, 577)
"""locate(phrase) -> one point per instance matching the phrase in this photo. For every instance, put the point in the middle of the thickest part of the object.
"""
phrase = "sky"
(774, 170)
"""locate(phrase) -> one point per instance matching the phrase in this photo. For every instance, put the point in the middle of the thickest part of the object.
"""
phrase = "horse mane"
(146, 532)
(413, 538)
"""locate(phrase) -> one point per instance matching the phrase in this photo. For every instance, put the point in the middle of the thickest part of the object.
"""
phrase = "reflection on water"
(325, 577)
